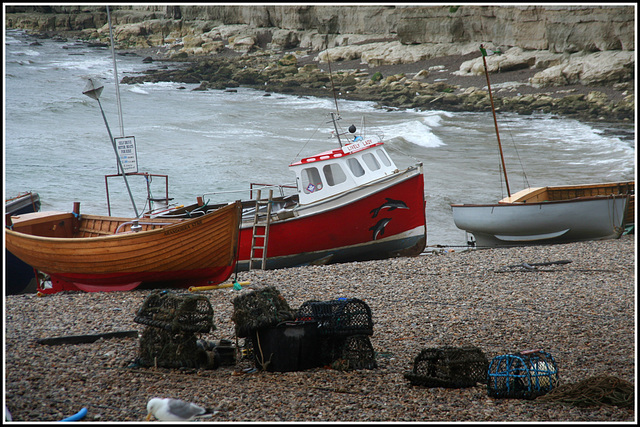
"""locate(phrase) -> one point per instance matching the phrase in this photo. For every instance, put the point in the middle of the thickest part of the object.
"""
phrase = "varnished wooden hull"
(89, 255)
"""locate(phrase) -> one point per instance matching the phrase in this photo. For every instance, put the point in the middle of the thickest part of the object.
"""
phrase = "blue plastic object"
(523, 375)
(78, 416)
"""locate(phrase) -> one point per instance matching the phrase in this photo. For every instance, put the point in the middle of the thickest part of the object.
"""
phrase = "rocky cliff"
(555, 28)
(544, 47)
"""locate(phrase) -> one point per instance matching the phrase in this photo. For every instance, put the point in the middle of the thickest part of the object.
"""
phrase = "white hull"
(562, 221)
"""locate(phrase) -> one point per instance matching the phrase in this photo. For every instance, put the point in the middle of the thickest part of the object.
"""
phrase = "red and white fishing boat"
(351, 203)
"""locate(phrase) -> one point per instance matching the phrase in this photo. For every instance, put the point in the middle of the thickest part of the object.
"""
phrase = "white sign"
(126, 147)
(357, 146)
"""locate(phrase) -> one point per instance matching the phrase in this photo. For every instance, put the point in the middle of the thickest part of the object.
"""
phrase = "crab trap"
(169, 340)
(259, 309)
(348, 353)
(524, 375)
(344, 316)
(166, 349)
(176, 312)
(450, 367)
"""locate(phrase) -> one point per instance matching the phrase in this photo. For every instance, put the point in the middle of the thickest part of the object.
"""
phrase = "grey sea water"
(56, 142)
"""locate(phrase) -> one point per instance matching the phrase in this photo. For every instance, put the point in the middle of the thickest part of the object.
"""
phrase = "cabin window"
(371, 162)
(334, 174)
(311, 182)
(356, 167)
(383, 156)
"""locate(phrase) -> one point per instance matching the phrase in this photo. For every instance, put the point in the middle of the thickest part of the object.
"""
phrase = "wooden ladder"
(260, 226)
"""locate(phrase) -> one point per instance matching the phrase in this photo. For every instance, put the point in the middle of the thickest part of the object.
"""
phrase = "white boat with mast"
(552, 214)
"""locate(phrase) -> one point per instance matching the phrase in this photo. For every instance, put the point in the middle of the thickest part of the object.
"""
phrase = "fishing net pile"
(594, 391)
(450, 367)
(170, 339)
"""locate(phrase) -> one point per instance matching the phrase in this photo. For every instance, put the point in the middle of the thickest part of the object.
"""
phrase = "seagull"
(173, 410)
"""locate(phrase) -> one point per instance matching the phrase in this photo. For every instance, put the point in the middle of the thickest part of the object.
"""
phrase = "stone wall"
(555, 28)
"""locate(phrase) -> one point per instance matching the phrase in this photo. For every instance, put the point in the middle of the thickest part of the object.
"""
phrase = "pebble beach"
(582, 312)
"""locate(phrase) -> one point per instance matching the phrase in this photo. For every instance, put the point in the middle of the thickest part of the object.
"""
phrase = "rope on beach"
(594, 391)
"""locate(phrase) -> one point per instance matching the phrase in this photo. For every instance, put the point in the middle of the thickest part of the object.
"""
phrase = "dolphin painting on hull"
(390, 204)
(378, 229)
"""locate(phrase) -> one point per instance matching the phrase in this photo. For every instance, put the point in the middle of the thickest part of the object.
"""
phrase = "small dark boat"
(19, 276)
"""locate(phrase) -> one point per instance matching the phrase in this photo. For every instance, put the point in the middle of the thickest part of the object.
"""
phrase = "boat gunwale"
(124, 235)
(544, 202)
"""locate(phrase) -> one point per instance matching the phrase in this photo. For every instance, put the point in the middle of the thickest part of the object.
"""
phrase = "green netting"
(176, 312)
(259, 309)
(451, 367)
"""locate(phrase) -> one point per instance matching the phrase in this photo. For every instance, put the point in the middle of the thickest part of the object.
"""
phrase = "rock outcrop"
(260, 46)
(555, 28)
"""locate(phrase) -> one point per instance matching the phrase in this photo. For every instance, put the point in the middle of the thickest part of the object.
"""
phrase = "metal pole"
(115, 72)
(113, 143)
(335, 126)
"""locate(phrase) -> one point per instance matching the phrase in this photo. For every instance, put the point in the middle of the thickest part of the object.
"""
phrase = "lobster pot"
(347, 353)
(176, 312)
(259, 309)
(341, 317)
(174, 350)
(524, 375)
(451, 367)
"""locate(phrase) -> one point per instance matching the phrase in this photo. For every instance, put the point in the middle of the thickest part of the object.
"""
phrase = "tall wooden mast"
(495, 121)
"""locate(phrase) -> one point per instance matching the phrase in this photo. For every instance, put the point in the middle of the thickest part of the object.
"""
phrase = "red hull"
(362, 222)
(129, 281)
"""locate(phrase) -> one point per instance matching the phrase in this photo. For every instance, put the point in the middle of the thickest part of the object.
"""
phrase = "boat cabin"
(341, 169)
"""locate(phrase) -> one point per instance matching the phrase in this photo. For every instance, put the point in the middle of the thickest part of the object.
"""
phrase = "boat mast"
(495, 121)
(335, 99)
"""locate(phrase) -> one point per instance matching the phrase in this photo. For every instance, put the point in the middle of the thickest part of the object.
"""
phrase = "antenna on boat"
(93, 91)
(495, 121)
(335, 126)
(333, 88)
(115, 71)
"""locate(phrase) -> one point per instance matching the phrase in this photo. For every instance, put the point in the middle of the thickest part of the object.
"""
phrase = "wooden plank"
(86, 339)
(94, 231)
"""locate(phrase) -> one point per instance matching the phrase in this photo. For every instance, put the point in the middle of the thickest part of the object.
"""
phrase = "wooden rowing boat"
(102, 253)
(552, 214)
(555, 214)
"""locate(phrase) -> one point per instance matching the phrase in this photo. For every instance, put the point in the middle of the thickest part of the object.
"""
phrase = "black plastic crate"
(451, 367)
(289, 346)
(340, 317)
